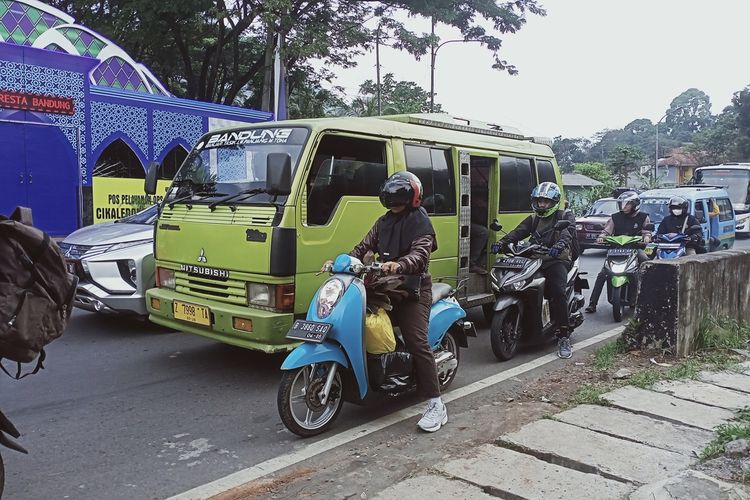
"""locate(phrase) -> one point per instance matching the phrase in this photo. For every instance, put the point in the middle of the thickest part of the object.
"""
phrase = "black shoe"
(591, 308)
(477, 270)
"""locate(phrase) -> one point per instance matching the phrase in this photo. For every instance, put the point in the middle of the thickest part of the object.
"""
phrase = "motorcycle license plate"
(309, 331)
(619, 251)
(191, 313)
(592, 236)
(511, 263)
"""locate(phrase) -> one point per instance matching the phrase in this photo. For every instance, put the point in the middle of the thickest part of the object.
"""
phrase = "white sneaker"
(434, 417)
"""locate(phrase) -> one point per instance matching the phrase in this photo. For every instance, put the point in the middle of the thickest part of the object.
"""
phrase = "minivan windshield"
(603, 208)
(656, 208)
(735, 180)
(226, 163)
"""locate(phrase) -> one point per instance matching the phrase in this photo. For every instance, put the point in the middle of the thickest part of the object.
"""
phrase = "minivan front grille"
(220, 289)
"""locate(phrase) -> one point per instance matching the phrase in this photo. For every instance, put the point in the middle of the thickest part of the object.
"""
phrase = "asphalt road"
(128, 410)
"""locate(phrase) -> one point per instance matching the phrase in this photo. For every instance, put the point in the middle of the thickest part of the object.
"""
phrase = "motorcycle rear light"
(165, 278)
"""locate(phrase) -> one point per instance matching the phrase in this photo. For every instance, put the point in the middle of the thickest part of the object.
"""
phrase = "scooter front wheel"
(504, 334)
(299, 400)
(617, 304)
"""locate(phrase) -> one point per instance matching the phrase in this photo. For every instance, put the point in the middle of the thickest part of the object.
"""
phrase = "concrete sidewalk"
(642, 446)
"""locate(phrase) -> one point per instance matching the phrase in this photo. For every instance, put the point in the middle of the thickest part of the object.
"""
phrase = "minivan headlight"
(128, 244)
(259, 294)
(329, 295)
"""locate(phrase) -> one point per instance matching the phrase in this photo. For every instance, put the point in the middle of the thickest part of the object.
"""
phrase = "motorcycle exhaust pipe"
(445, 361)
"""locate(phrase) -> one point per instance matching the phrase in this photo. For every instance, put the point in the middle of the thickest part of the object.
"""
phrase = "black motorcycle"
(521, 310)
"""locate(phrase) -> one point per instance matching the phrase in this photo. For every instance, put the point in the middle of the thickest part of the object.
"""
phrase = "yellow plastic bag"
(379, 337)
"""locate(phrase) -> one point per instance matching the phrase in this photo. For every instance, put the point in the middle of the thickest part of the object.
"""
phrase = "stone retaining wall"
(676, 295)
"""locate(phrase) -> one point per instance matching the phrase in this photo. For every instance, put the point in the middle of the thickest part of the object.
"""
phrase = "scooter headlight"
(329, 295)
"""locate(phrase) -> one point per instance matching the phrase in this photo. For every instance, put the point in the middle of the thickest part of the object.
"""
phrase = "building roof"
(681, 157)
(35, 24)
(579, 180)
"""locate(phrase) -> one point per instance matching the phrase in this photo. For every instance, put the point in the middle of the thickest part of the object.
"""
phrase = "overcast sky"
(587, 66)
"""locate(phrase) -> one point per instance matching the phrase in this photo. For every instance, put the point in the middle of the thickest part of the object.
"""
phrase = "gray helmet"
(629, 197)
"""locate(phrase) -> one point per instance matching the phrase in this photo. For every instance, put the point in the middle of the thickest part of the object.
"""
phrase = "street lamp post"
(433, 55)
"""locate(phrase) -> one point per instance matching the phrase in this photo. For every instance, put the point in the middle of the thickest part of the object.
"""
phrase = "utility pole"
(377, 67)
(433, 51)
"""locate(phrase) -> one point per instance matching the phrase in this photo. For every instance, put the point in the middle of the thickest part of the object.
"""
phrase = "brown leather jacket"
(415, 262)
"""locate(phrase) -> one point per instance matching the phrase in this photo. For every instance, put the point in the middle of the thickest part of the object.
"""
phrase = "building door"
(39, 170)
(52, 173)
(12, 168)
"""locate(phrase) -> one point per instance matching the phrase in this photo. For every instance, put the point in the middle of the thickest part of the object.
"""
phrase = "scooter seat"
(441, 291)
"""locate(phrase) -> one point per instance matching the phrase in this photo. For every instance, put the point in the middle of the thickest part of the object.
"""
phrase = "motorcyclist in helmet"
(628, 221)
(679, 220)
(545, 201)
(404, 239)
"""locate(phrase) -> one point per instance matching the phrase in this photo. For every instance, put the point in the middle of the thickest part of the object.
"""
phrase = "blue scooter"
(331, 365)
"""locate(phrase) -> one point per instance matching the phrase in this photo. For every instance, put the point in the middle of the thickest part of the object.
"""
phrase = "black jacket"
(527, 226)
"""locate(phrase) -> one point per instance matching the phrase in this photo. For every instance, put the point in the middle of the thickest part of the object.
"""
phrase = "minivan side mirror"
(152, 175)
(496, 226)
(562, 224)
(278, 174)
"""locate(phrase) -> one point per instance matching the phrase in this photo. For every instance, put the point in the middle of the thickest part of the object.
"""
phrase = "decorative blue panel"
(231, 165)
(42, 80)
(108, 118)
(169, 126)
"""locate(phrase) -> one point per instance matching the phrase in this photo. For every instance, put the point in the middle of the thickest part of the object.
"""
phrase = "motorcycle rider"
(404, 239)
(628, 221)
(545, 201)
(680, 221)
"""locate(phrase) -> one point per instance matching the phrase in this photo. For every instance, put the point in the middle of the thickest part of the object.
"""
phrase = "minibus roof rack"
(701, 186)
(446, 121)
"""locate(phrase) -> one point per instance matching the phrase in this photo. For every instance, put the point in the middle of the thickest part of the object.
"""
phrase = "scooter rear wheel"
(504, 334)
(449, 344)
(298, 403)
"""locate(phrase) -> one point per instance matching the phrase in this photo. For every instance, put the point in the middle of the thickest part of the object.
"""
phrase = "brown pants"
(413, 318)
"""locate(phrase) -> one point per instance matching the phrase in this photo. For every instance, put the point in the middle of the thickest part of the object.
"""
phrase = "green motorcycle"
(621, 266)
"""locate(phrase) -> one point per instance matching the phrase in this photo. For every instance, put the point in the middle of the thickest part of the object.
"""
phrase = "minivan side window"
(725, 209)
(700, 212)
(517, 179)
(343, 166)
(545, 171)
(434, 168)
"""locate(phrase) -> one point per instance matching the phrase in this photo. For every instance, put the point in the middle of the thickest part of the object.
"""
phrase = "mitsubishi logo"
(202, 257)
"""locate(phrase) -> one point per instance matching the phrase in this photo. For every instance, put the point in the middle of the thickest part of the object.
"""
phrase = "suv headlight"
(127, 244)
(329, 295)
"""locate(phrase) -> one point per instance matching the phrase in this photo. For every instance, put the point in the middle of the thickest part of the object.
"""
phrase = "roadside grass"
(715, 339)
(605, 357)
(590, 394)
(739, 429)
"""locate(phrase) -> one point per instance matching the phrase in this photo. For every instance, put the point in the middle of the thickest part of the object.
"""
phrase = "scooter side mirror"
(695, 227)
(496, 226)
(649, 227)
(562, 224)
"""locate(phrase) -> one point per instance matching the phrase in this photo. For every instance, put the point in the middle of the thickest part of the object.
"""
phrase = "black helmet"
(401, 189)
(678, 203)
(629, 198)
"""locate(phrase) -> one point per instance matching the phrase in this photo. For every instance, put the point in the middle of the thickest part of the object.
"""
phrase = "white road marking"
(276, 464)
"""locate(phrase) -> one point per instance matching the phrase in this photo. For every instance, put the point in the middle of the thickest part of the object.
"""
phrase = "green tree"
(688, 114)
(624, 161)
(597, 171)
(570, 151)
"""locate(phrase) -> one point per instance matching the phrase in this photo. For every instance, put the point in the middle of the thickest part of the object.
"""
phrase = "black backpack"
(575, 250)
(36, 291)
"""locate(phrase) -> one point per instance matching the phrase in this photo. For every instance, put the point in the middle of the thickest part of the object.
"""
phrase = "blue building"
(80, 121)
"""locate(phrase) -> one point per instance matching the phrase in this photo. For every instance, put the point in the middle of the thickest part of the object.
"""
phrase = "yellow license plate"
(192, 313)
